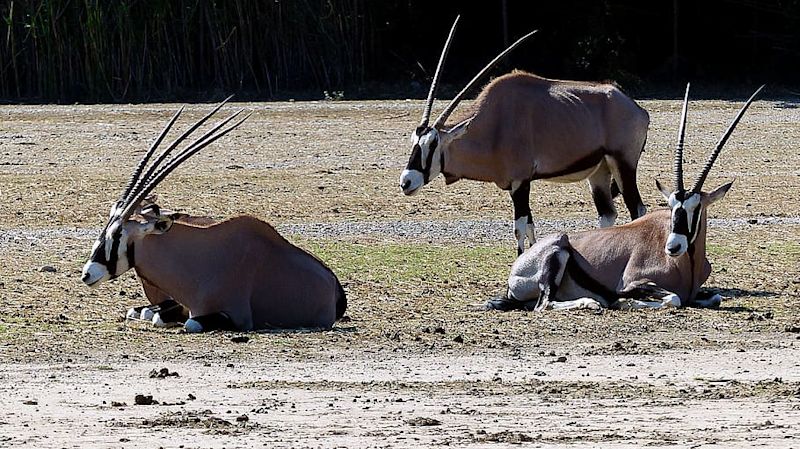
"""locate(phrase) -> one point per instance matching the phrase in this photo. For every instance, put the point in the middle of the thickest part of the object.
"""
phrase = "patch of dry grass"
(62, 166)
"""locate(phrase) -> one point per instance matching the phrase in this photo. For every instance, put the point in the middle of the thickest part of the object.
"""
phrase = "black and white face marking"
(425, 163)
(110, 256)
(686, 208)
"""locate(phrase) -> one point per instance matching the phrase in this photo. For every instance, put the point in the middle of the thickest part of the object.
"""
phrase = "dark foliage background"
(143, 50)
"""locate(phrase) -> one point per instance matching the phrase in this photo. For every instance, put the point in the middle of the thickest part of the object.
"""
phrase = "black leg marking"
(172, 312)
(215, 321)
(614, 188)
(504, 304)
(630, 191)
(603, 202)
(644, 291)
(522, 208)
(521, 199)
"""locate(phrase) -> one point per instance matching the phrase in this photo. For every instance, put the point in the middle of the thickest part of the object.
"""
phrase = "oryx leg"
(161, 303)
(706, 300)
(523, 219)
(536, 275)
(600, 186)
(210, 322)
(634, 297)
(624, 172)
(168, 314)
(580, 303)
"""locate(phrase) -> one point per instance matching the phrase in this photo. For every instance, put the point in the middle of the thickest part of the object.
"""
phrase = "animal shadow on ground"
(307, 330)
(735, 293)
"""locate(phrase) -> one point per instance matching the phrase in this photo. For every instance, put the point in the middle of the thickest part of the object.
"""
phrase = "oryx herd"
(240, 274)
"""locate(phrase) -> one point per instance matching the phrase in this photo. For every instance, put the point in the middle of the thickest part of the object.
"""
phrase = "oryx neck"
(464, 160)
(168, 261)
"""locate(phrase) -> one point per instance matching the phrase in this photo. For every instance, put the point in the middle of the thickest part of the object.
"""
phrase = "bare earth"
(415, 364)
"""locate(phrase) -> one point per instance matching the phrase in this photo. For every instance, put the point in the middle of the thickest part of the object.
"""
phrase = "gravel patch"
(450, 231)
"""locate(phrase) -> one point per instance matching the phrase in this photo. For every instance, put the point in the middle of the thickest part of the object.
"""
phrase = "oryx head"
(429, 141)
(688, 205)
(135, 215)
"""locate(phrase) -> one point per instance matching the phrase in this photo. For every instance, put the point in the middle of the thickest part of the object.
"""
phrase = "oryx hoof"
(192, 326)
(715, 301)
(157, 321)
(503, 304)
(132, 314)
(671, 301)
(147, 314)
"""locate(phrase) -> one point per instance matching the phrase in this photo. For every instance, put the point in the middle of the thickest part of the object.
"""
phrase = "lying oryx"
(162, 310)
(524, 127)
(235, 274)
(662, 255)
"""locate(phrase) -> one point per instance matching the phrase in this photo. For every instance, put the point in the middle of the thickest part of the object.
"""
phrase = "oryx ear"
(163, 224)
(717, 194)
(457, 131)
(664, 191)
(151, 210)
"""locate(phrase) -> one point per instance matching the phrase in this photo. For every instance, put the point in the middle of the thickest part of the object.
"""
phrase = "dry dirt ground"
(415, 364)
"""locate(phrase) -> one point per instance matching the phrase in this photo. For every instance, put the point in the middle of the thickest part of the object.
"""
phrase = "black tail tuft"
(614, 188)
(341, 301)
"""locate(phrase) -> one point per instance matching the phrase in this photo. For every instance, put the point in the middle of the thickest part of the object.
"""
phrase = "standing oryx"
(661, 255)
(524, 127)
(235, 274)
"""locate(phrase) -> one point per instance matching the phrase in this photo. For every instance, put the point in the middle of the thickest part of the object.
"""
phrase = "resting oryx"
(661, 255)
(235, 274)
(524, 127)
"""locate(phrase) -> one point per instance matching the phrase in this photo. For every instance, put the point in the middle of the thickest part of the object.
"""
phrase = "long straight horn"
(148, 155)
(454, 102)
(678, 166)
(426, 114)
(713, 157)
(131, 192)
(190, 151)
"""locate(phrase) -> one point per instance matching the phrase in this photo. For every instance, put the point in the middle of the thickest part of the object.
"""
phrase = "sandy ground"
(415, 364)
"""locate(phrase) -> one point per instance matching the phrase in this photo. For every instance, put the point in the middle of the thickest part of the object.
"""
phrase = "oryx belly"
(579, 175)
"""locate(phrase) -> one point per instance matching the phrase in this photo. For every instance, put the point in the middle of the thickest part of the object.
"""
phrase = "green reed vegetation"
(106, 50)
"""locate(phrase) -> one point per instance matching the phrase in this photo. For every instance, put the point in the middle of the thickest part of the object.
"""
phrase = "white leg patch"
(520, 229)
(192, 326)
(146, 314)
(671, 300)
(132, 314)
(580, 303)
(530, 232)
(157, 321)
(607, 221)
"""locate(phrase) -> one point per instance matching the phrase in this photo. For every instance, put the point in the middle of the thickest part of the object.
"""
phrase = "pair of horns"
(426, 114)
(139, 186)
(713, 157)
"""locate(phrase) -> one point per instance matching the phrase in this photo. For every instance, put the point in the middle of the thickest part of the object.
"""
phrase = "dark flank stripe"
(582, 164)
(585, 281)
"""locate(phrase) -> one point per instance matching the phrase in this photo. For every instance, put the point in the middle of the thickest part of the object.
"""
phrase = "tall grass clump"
(123, 50)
